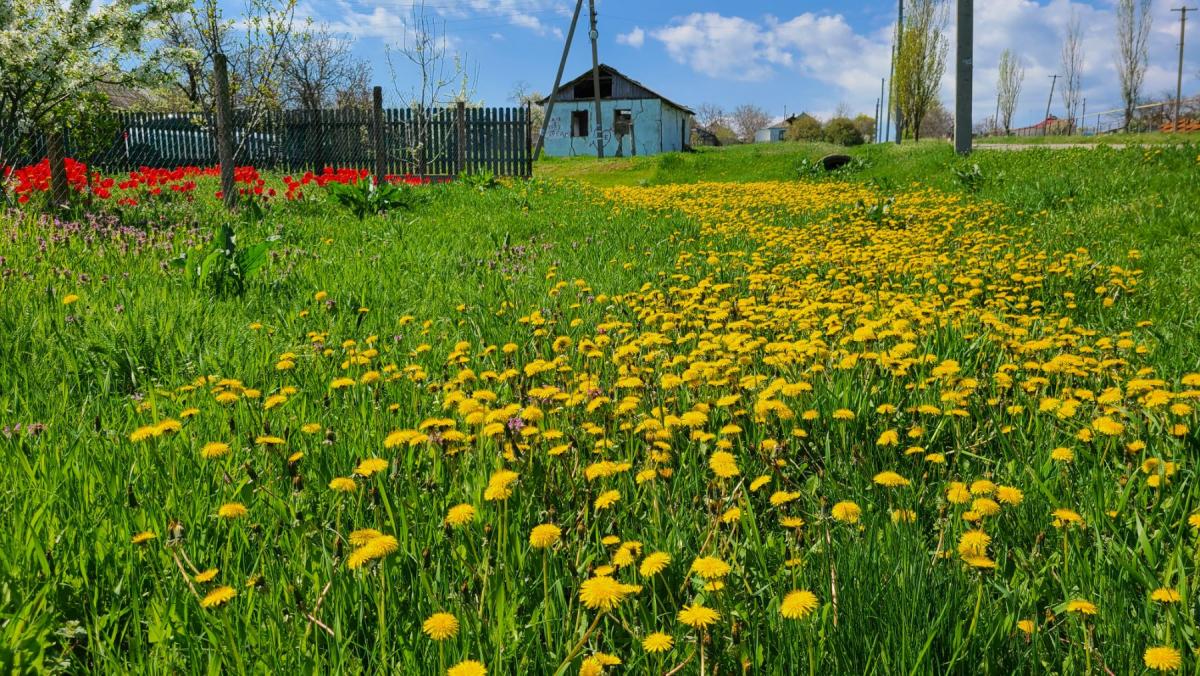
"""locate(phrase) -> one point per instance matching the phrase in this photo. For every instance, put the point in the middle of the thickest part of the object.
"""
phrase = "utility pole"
(225, 152)
(1179, 78)
(963, 90)
(1046, 122)
(875, 136)
(537, 152)
(558, 81)
(879, 111)
(594, 35)
(899, 41)
(1082, 117)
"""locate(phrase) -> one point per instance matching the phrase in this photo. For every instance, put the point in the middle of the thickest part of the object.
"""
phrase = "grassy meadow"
(709, 413)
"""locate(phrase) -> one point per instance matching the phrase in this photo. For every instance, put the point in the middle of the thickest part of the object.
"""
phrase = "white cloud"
(848, 63)
(634, 38)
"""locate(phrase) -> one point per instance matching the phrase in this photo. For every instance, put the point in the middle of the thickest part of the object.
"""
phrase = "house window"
(622, 121)
(579, 123)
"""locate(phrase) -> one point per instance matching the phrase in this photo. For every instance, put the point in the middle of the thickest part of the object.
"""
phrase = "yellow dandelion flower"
(460, 515)
(798, 604)
(1165, 595)
(206, 575)
(544, 535)
(214, 449)
(1162, 658)
(710, 567)
(371, 466)
(343, 484)
(606, 499)
(218, 596)
(657, 642)
(602, 592)
(467, 668)
(847, 512)
(697, 616)
(1081, 606)
(232, 510)
(144, 537)
(890, 480)
(654, 564)
(440, 626)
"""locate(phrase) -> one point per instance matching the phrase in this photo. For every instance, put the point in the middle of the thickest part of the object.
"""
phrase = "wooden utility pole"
(460, 126)
(224, 130)
(595, 35)
(963, 89)
(562, 64)
(1179, 78)
(377, 136)
(899, 42)
(1046, 122)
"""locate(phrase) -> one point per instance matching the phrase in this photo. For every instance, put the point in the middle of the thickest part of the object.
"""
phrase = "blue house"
(634, 119)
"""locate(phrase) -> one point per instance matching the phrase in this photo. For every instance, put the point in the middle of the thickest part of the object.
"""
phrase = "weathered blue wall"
(656, 128)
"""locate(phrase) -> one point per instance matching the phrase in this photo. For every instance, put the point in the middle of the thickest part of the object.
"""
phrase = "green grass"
(1150, 137)
(488, 297)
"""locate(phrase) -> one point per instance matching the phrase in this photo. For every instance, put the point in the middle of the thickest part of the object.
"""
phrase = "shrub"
(804, 128)
(841, 130)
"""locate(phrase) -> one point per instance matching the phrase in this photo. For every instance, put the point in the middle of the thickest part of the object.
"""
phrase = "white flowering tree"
(54, 53)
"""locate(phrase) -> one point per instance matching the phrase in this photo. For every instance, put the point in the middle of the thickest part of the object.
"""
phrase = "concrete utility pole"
(879, 110)
(537, 152)
(1046, 121)
(594, 35)
(224, 131)
(963, 90)
(1179, 79)
(899, 41)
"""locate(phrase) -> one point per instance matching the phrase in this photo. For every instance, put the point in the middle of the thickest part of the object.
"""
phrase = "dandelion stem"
(579, 646)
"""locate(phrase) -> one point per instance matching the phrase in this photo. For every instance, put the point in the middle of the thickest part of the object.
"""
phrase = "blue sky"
(794, 55)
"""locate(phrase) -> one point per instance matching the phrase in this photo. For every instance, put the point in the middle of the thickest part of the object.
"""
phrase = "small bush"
(841, 130)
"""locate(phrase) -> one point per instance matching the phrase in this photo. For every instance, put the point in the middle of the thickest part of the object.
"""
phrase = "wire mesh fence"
(431, 142)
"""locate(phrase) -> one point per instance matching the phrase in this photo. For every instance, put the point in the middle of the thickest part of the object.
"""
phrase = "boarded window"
(622, 121)
(579, 123)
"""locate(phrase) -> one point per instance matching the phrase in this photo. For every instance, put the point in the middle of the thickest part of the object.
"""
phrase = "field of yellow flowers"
(781, 427)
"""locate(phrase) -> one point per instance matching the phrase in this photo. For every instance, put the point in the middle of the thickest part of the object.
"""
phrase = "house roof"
(606, 69)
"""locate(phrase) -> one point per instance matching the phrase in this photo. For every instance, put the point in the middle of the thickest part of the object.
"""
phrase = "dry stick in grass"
(679, 667)
(317, 606)
(183, 572)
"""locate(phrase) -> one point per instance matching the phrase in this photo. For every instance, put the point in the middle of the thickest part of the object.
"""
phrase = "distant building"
(774, 132)
(635, 120)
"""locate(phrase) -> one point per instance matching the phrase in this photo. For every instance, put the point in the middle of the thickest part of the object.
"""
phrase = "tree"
(255, 45)
(1133, 34)
(938, 122)
(748, 119)
(710, 114)
(1072, 65)
(1008, 87)
(841, 130)
(320, 70)
(54, 54)
(865, 124)
(920, 61)
(441, 78)
(523, 95)
(805, 127)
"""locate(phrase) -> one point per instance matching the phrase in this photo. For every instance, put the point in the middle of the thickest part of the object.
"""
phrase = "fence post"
(224, 130)
(461, 121)
(422, 137)
(58, 167)
(529, 139)
(377, 136)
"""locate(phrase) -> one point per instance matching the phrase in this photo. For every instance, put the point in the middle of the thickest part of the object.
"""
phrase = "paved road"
(1063, 146)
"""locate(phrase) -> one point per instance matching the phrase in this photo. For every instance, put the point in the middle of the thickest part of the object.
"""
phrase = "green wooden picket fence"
(434, 142)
